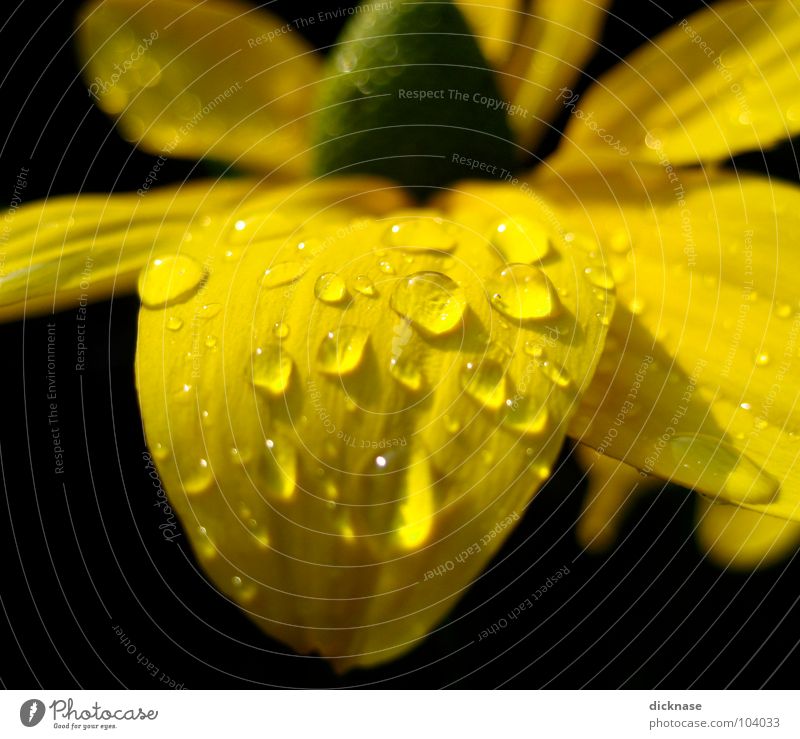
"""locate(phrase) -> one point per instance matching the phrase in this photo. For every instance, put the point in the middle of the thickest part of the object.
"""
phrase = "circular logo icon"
(31, 712)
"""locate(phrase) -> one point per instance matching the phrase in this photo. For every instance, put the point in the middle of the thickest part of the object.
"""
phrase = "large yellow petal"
(78, 249)
(558, 39)
(537, 48)
(699, 380)
(72, 249)
(495, 24)
(613, 488)
(349, 418)
(723, 81)
(743, 540)
(214, 79)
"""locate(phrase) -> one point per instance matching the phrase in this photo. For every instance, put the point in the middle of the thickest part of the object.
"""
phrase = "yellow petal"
(723, 81)
(741, 539)
(556, 41)
(699, 380)
(213, 79)
(538, 52)
(613, 487)
(352, 430)
(71, 249)
(494, 24)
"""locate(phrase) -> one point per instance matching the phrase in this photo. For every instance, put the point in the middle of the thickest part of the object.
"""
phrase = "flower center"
(409, 95)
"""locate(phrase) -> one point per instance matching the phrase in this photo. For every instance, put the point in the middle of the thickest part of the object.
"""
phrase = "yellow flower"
(350, 398)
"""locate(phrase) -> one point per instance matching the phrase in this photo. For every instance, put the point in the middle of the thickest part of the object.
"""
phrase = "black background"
(82, 553)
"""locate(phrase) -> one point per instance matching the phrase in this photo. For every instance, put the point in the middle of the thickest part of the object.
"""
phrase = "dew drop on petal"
(283, 273)
(432, 301)
(524, 293)
(424, 234)
(620, 242)
(160, 451)
(783, 310)
(199, 479)
(330, 288)
(169, 280)
(272, 369)
(534, 349)
(557, 374)
(281, 469)
(651, 141)
(280, 330)
(406, 373)
(636, 306)
(206, 548)
(208, 311)
(519, 239)
(599, 277)
(527, 416)
(452, 425)
(417, 510)
(485, 382)
(718, 469)
(342, 350)
(363, 285)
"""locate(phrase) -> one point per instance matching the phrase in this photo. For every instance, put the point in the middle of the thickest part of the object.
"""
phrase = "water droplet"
(599, 277)
(281, 473)
(604, 318)
(620, 242)
(526, 416)
(272, 369)
(341, 351)
(262, 227)
(208, 311)
(283, 273)
(363, 285)
(417, 510)
(452, 425)
(557, 374)
(716, 468)
(280, 330)
(200, 478)
(534, 349)
(485, 382)
(636, 306)
(520, 239)
(432, 301)
(524, 293)
(406, 373)
(385, 267)
(206, 547)
(651, 141)
(783, 310)
(425, 234)
(330, 288)
(762, 359)
(211, 341)
(169, 280)
(236, 581)
(160, 451)
(174, 323)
